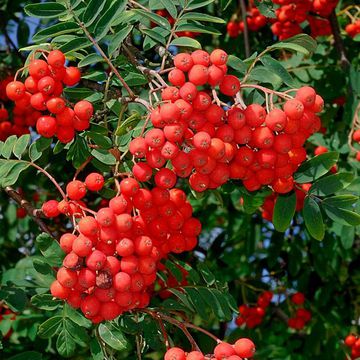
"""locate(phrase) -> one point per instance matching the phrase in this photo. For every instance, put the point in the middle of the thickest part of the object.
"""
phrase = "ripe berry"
(56, 59)
(66, 277)
(76, 190)
(88, 226)
(218, 57)
(129, 186)
(38, 68)
(84, 110)
(200, 57)
(188, 91)
(46, 85)
(198, 75)
(298, 298)
(230, 85)
(294, 109)
(176, 77)
(183, 61)
(175, 354)
(195, 355)
(46, 126)
(50, 208)
(55, 105)
(223, 351)
(59, 291)
(255, 115)
(90, 306)
(96, 260)
(276, 120)
(94, 181)
(15, 90)
(165, 178)
(72, 76)
(306, 95)
(245, 348)
(82, 246)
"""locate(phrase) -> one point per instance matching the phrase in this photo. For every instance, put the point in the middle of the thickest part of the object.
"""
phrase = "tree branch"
(34, 213)
(339, 45)
(246, 29)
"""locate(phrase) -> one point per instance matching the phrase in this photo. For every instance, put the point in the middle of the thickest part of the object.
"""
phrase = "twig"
(101, 52)
(34, 213)
(246, 29)
(339, 45)
(82, 167)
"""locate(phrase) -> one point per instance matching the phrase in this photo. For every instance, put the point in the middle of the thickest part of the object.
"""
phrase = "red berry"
(175, 354)
(230, 85)
(56, 59)
(50, 208)
(84, 110)
(245, 348)
(94, 181)
(76, 190)
(46, 126)
(72, 76)
(183, 61)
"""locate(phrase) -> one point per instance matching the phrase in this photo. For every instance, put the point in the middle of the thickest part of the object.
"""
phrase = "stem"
(267, 91)
(251, 67)
(82, 167)
(354, 126)
(246, 29)
(101, 52)
(58, 187)
(339, 45)
(34, 213)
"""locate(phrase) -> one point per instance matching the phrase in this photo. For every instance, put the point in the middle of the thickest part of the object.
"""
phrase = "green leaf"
(300, 43)
(93, 9)
(43, 268)
(36, 149)
(154, 35)
(183, 298)
(331, 184)
(342, 216)
(113, 336)
(197, 28)
(170, 7)
(103, 25)
(16, 167)
(128, 124)
(195, 4)
(14, 297)
(45, 10)
(341, 201)
(75, 44)
(185, 41)
(65, 344)
(237, 64)
(45, 302)
(90, 59)
(157, 19)
(100, 139)
(316, 167)
(207, 275)
(278, 69)
(284, 211)
(313, 218)
(50, 327)
(198, 302)
(27, 355)
(67, 27)
(118, 38)
(8, 146)
(202, 17)
(76, 317)
(95, 349)
(50, 249)
(21, 145)
(104, 156)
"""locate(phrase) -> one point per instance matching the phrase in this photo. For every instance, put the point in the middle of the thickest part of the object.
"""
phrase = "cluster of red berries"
(164, 13)
(209, 145)
(269, 202)
(292, 13)
(301, 316)
(255, 21)
(111, 262)
(243, 348)
(356, 138)
(253, 316)
(353, 29)
(39, 102)
(10, 126)
(353, 342)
